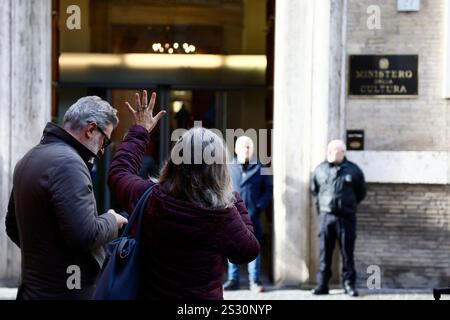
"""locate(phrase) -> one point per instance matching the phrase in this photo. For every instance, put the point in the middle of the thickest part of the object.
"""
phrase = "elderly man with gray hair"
(52, 215)
(338, 186)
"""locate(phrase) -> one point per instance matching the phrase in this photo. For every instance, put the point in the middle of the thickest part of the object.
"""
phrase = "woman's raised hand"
(143, 113)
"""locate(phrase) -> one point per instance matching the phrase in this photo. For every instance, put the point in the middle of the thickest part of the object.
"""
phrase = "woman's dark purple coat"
(184, 246)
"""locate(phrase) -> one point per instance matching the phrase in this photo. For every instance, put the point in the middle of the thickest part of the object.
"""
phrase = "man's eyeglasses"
(106, 141)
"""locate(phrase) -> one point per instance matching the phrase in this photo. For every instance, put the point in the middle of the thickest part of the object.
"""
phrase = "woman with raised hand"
(193, 220)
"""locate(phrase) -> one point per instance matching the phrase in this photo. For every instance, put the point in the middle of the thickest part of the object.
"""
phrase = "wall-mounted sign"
(355, 140)
(408, 5)
(385, 75)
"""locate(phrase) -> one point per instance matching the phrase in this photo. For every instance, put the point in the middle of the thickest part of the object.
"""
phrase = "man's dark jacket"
(254, 188)
(338, 189)
(52, 217)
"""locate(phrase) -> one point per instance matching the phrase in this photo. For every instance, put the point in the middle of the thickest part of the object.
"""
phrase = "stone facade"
(25, 102)
(405, 230)
(408, 124)
(403, 225)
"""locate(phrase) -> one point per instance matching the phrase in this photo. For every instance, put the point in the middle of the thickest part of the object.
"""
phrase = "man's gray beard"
(94, 146)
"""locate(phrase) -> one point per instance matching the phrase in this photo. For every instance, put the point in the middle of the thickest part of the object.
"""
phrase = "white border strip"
(413, 167)
(446, 57)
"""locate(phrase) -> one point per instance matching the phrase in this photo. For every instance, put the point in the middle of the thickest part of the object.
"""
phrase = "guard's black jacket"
(338, 189)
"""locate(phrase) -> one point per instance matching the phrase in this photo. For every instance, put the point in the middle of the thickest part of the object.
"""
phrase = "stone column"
(25, 101)
(309, 98)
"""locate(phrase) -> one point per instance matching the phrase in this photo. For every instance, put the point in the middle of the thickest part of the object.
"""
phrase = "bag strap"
(138, 212)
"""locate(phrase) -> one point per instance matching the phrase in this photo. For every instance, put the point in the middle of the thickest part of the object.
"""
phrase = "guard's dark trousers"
(332, 227)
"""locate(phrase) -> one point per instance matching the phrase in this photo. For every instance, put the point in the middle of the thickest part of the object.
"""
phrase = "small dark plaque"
(355, 140)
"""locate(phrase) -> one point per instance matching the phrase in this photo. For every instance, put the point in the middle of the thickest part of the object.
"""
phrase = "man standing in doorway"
(256, 191)
(338, 186)
(52, 215)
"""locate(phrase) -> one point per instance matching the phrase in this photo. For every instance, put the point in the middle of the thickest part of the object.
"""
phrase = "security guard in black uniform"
(338, 186)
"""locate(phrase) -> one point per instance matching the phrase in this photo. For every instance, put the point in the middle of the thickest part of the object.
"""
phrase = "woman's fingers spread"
(152, 101)
(130, 108)
(144, 98)
(159, 115)
(137, 101)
